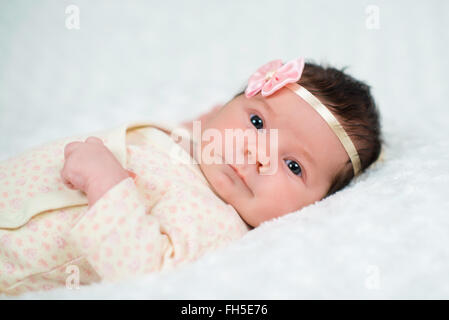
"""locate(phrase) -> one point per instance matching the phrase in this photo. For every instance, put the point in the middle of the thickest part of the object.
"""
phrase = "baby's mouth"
(238, 174)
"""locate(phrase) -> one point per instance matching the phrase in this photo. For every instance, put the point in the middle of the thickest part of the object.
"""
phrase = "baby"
(314, 162)
(125, 201)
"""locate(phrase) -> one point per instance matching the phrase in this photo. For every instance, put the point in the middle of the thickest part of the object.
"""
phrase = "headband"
(274, 75)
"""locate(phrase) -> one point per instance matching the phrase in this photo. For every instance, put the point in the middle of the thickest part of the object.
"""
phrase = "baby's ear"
(131, 174)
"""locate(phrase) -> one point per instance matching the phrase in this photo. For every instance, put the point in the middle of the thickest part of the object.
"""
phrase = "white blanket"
(385, 236)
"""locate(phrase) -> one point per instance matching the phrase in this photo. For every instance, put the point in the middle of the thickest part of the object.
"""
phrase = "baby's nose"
(255, 154)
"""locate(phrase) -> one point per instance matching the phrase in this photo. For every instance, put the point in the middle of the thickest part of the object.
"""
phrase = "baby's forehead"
(295, 119)
(283, 101)
(289, 112)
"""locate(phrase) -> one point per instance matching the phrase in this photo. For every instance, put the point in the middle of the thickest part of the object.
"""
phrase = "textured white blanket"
(385, 236)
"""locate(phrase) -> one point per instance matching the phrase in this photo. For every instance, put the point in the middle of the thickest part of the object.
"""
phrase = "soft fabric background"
(385, 236)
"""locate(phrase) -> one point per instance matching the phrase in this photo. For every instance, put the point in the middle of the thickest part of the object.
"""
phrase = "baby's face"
(298, 180)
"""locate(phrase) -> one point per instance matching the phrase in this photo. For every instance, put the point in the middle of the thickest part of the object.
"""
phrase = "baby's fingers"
(65, 181)
(70, 147)
(93, 139)
(71, 180)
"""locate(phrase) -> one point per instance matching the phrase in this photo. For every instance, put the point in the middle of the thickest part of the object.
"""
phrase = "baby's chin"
(223, 185)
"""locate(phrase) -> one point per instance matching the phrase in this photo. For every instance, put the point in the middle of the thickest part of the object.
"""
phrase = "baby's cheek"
(218, 179)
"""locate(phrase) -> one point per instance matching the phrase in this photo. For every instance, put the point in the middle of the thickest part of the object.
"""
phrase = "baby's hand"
(92, 168)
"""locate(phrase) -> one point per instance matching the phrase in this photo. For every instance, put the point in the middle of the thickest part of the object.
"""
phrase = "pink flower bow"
(274, 75)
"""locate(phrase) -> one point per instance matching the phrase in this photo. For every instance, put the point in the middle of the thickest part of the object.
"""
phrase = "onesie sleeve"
(119, 237)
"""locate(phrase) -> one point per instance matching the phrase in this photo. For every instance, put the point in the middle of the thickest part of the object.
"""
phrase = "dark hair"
(351, 102)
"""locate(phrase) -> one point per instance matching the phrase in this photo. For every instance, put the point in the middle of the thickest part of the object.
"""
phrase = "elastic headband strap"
(331, 121)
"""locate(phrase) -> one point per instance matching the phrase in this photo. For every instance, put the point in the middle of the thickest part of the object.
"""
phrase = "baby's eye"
(294, 167)
(256, 121)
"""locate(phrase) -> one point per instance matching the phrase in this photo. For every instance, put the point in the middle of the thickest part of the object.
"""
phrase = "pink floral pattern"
(156, 221)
